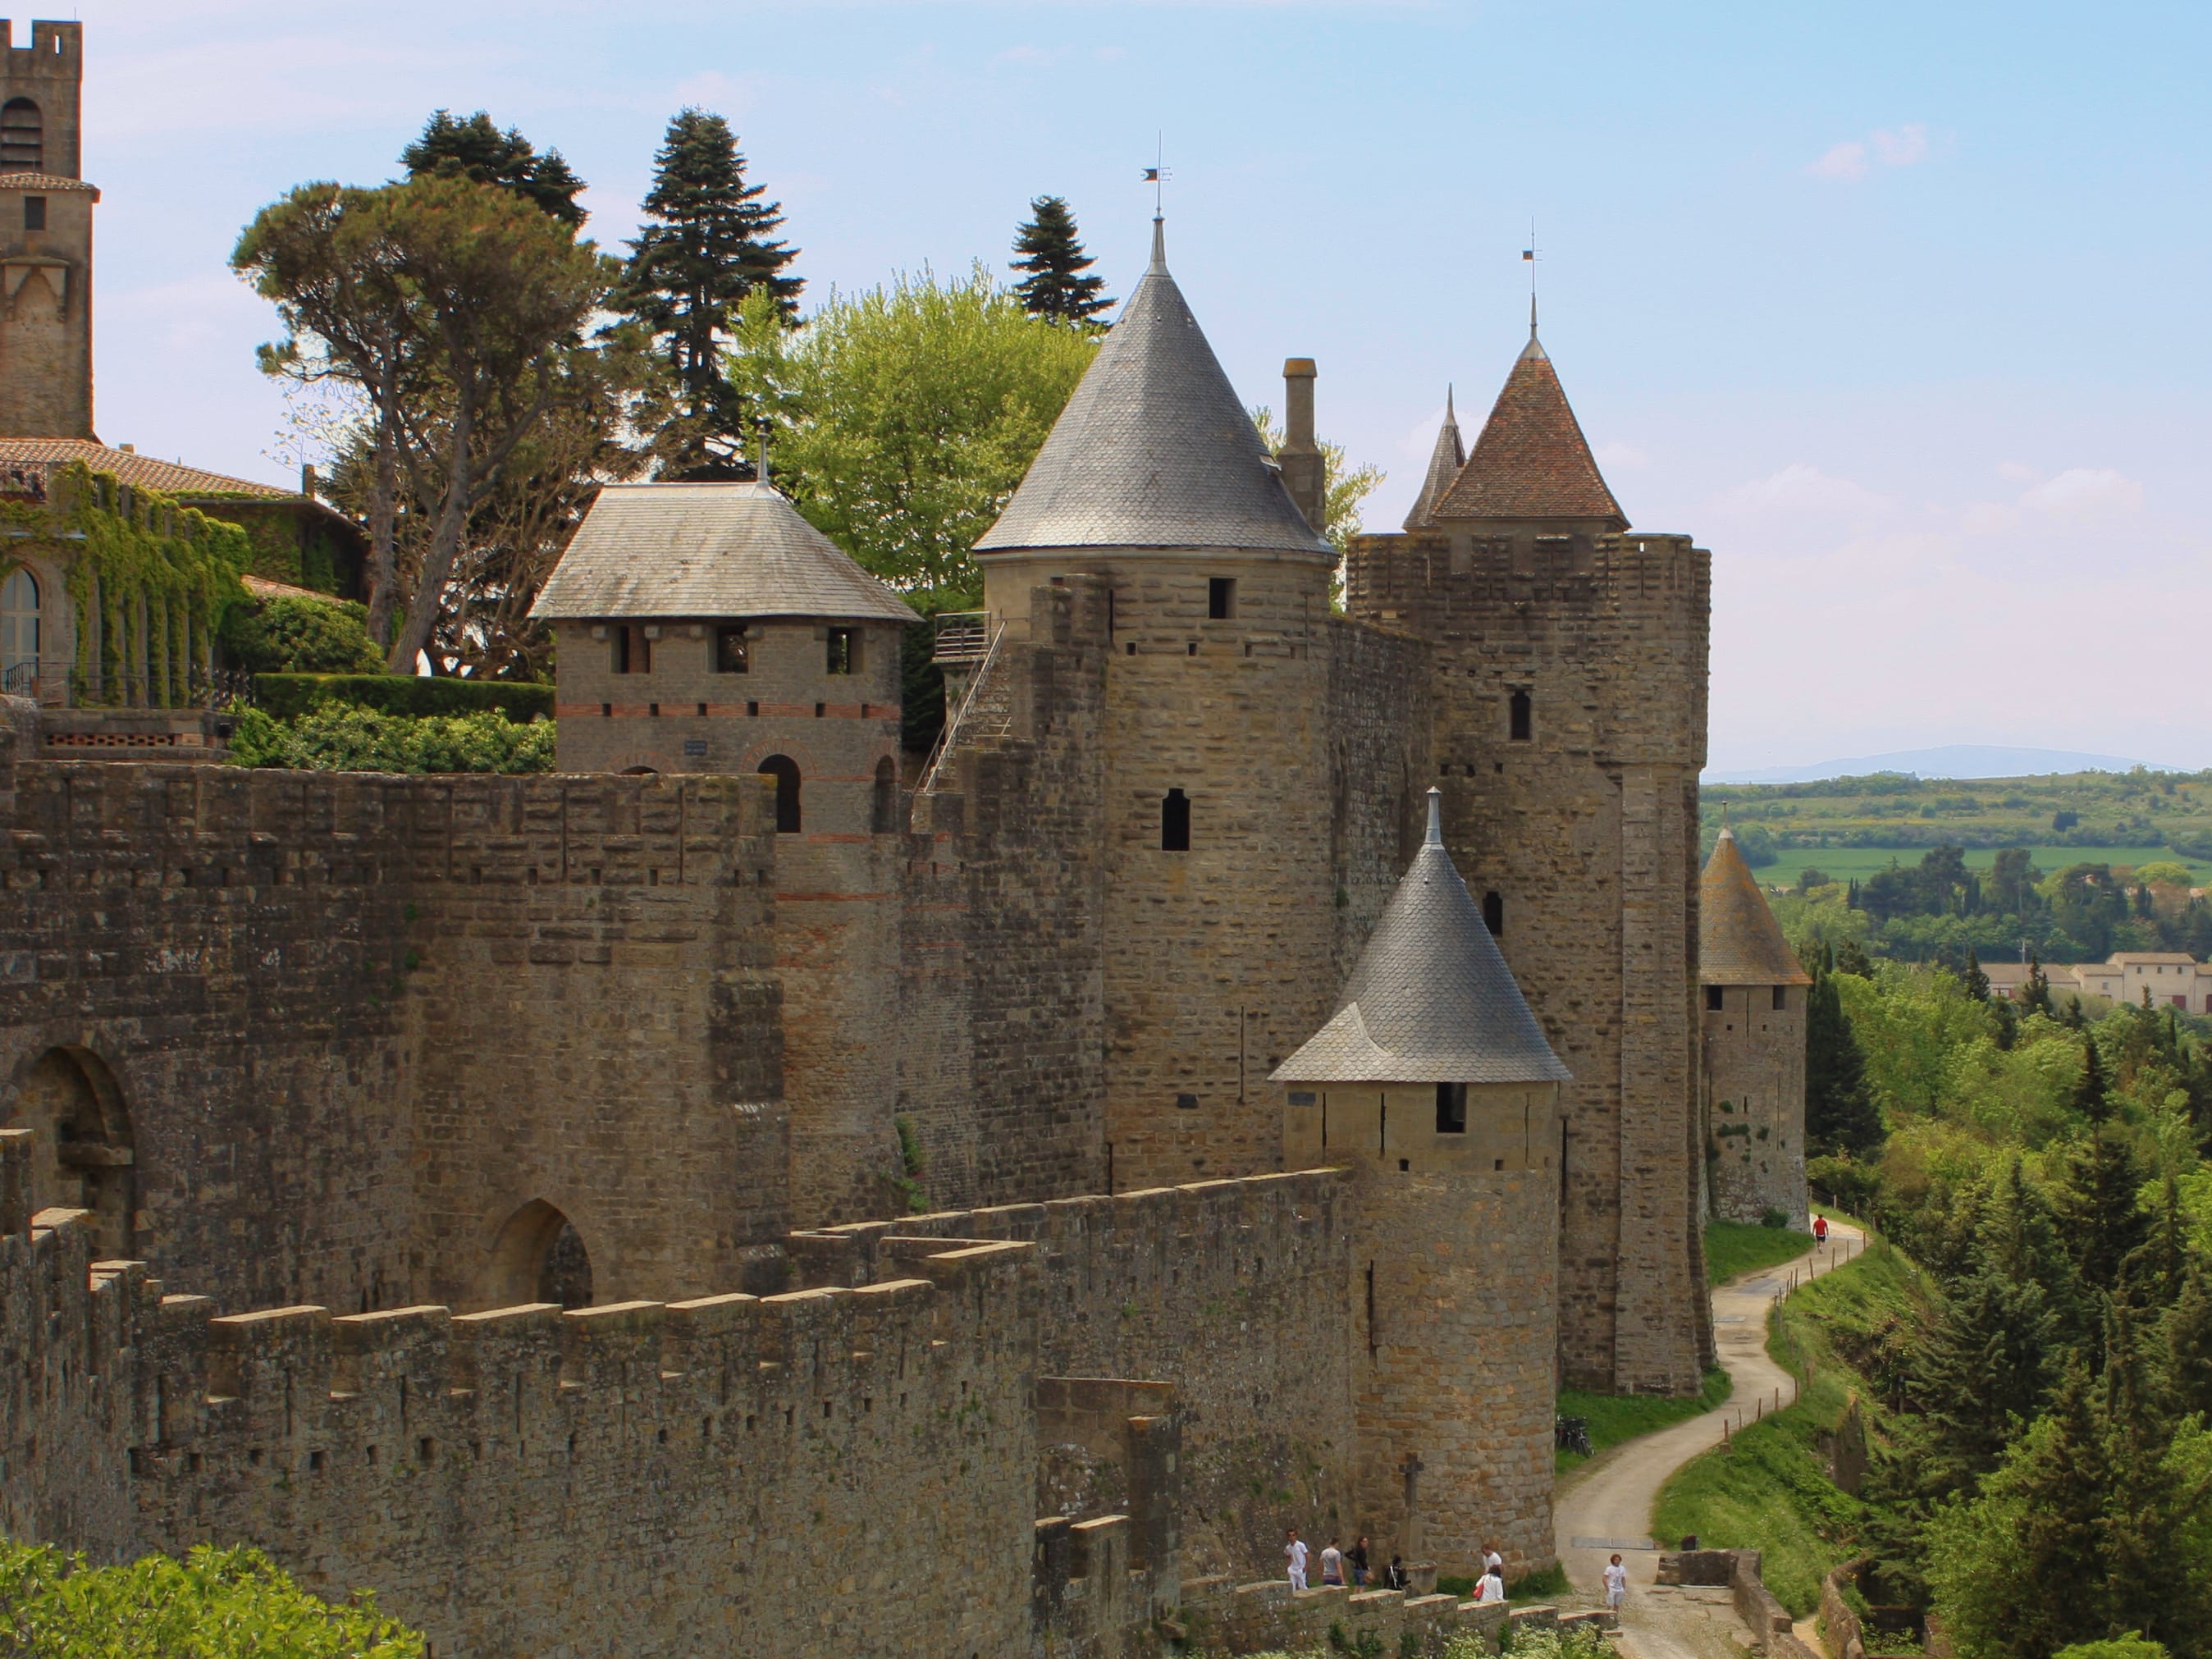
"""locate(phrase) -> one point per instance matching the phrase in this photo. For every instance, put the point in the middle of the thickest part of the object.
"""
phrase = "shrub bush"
(287, 635)
(215, 1604)
(286, 695)
(344, 738)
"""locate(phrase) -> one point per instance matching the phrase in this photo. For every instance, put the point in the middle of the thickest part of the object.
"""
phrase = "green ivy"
(155, 575)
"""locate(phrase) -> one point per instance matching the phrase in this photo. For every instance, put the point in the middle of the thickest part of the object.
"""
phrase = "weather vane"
(1528, 253)
(1157, 175)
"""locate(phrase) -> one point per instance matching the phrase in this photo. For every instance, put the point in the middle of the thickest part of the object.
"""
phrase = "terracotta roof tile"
(1532, 460)
(49, 181)
(140, 471)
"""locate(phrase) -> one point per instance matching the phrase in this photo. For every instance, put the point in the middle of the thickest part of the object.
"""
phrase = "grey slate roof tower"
(1431, 999)
(1155, 449)
(1444, 463)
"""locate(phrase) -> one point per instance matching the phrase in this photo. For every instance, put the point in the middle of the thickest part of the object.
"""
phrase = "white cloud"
(2085, 492)
(1844, 161)
(1799, 488)
(1622, 457)
(1902, 146)
(2018, 472)
(1988, 519)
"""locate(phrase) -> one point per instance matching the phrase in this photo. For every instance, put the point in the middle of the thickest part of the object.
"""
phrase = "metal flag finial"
(1528, 253)
(760, 467)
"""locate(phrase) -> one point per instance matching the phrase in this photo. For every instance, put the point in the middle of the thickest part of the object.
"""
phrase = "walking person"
(1357, 1556)
(1294, 1552)
(1332, 1566)
(1616, 1584)
(1820, 1232)
(1492, 1560)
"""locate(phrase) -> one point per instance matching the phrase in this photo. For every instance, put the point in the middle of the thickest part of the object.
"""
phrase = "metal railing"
(988, 658)
(20, 679)
(962, 636)
(218, 689)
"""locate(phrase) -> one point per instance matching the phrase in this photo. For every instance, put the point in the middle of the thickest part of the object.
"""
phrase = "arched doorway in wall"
(538, 1256)
(83, 1159)
(19, 633)
(785, 771)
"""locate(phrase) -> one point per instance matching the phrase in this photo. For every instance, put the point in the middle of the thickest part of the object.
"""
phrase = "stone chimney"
(1301, 455)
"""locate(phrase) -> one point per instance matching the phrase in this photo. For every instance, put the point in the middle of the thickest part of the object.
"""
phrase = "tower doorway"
(538, 1256)
(83, 1157)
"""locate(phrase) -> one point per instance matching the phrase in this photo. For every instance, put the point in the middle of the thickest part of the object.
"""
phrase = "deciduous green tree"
(1344, 487)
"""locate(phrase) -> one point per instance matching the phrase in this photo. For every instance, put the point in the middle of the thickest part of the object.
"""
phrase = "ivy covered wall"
(147, 579)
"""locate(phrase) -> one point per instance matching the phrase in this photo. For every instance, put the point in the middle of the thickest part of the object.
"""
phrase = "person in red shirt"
(1819, 1231)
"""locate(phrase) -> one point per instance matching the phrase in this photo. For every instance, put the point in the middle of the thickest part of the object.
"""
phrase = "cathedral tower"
(46, 239)
(1218, 897)
(1569, 681)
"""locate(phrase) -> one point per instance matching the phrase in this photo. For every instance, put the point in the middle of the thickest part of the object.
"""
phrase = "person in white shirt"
(1616, 1584)
(1492, 1560)
(1490, 1588)
(1331, 1565)
(1294, 1552)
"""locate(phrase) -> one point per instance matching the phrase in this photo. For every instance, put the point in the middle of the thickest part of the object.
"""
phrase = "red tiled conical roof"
(1532, 460)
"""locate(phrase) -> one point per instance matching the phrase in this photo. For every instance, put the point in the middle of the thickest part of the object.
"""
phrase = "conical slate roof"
(1154, 449)
(1739, 941)
(1444, 463)
(1531, 460)
(707, 549)
(1431, 999)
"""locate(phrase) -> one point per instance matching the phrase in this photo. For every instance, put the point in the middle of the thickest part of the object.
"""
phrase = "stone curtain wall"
(1237, 1293)
(509, 1481)
(1754, 1063)
(1002, 1031)
(1380, 773)
(1584, 831)
(356, 1021)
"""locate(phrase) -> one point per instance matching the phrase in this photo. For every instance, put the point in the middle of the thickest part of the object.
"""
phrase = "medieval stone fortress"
(494, 1191)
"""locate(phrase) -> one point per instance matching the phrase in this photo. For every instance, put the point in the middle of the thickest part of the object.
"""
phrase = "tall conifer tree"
(475, 149)
(1055, 287)
(708, 244)
(1840, 1115)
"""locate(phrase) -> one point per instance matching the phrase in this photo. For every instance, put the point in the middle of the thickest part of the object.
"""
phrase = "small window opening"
(1519, 715)
(1451, 1109)
(1220, 598)
(1713, 999)
(844, 650)
(785, 771)
(1493, 915)
(1781, 999)
(34, 213)
(882, 819)
(633, 651)
(732, 651)
(1174, 823)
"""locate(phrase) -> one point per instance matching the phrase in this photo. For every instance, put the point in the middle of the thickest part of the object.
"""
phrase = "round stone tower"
(1433, 1083)
(1217, 896)
(1754, 1047)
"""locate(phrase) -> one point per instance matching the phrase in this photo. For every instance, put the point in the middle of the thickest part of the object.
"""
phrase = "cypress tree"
(1984, 1372)
(2092, 1098)
(2102, 1223)
(1840, 1110)
(706, 245)
(2062, 1482)
(476, 149)
(2035, 997)
(1852, 958)
(2188, 1345)
(1055, 287)
(1976, 982)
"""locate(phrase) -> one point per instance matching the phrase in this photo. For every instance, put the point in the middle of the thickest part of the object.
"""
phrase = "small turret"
(1754, 1049)
(1444, 463)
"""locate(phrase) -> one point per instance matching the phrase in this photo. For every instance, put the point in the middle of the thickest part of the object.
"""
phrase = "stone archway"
(538, 1256)
(83, 1158)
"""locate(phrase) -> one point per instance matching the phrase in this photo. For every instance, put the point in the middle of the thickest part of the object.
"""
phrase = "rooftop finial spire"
(1156, 176)
(1436, 836)
(1528, 253)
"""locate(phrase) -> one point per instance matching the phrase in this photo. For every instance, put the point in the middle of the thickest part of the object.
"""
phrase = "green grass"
(1615, 1417)
(1537, 1585)
(1743, 1247)
(1768, 1489)
(1858, 863)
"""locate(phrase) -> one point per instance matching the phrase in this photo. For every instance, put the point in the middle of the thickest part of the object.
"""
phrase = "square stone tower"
(46, 239)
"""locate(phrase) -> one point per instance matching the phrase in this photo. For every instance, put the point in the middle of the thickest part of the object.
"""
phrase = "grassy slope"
(1769, 1490)
(1615, 1417)
(2122, 817)
(1740, 1246)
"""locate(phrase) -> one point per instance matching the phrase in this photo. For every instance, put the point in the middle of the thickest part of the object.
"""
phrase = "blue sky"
(1900, 309)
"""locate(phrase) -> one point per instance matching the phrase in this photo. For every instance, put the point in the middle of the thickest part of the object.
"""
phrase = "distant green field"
(1858, 863)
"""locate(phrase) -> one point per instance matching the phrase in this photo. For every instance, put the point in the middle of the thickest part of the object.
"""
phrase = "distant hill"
(1952, 760)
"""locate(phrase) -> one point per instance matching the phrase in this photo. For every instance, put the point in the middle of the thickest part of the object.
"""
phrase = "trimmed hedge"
(286, 695)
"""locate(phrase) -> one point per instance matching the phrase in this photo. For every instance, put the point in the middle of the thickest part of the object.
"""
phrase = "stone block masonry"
(1755, 1082)
(1568, 696)
(322, 1037)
